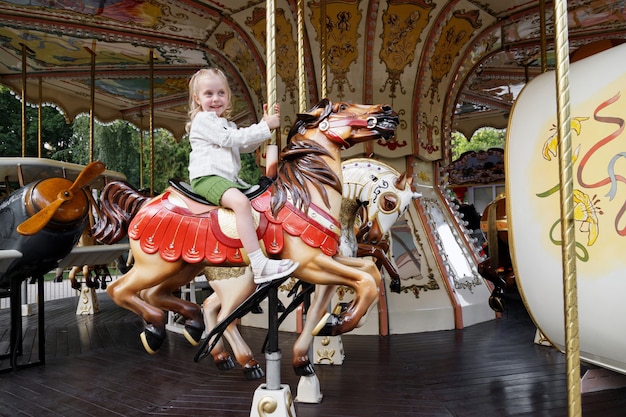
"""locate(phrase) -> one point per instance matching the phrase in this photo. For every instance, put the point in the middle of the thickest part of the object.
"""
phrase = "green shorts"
(213, 187)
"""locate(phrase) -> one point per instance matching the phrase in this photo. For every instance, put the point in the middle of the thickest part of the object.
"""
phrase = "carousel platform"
(95, 366)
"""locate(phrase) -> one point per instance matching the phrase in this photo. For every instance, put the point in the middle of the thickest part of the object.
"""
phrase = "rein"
(327, 127)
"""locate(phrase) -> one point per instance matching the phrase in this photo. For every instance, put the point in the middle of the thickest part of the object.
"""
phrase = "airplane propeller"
(39, 220)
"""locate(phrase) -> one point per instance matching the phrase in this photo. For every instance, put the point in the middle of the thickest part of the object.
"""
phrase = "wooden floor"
(96, 366)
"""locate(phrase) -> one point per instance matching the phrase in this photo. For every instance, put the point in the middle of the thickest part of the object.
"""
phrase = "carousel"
(422, 69)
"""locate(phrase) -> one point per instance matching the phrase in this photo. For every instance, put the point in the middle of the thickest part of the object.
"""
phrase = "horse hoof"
(76, 285)
(257, 309)
(496, 304)
(252, 370)
(224, 362)
(395, 286)
(341, 308)
(305, 369)
(58, 278)
(193, 334)
(328, 325)
(152, 339)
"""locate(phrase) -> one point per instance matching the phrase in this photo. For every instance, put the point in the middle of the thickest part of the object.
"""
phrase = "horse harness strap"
(327, 127)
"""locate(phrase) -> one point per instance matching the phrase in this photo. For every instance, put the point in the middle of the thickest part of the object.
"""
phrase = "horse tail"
(119, 203)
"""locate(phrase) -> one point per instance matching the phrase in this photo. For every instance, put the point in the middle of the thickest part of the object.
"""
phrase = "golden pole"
(39, 114)
(544, 42)
(323, 47)
(271, 149)
(25, 49)
(151, 122)
(271, 61)
(568, 250)
(301, 77)
(92, 99)
(141, 150)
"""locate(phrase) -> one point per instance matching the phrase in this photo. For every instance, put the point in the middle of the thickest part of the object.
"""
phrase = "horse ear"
(317, 112)
(308, 117)
(401, 181)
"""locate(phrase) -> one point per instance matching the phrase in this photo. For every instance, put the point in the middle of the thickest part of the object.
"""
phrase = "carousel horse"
(95, 276)
(173, 237)
(497, 267)
(375, 196)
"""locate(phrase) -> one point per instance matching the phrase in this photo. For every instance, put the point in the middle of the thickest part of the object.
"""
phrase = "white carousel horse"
(375, 196)
(173, 237)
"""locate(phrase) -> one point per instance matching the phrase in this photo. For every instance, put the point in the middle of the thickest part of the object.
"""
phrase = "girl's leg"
(264, 269)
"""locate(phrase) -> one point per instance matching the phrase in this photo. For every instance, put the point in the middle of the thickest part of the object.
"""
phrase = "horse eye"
(388, 203)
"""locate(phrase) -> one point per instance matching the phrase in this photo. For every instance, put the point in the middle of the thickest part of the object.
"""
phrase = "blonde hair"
(194, 107)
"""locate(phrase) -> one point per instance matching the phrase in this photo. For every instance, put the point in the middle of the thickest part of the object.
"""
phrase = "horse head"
(388, 201)
(305, 159)
(382, 192)
(347, 124)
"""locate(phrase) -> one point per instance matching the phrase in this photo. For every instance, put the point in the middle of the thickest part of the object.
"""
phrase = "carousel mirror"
(450, 247)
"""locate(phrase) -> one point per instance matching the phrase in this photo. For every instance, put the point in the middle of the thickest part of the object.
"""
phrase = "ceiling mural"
(443, 65)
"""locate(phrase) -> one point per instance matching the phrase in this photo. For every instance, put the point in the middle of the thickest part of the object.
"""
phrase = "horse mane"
(119, 202)
(302, 164)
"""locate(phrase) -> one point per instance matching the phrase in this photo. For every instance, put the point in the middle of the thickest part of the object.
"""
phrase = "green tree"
(482, 139)
(115, 144)
(10, 124)
(118, 144)
(171, 159)
(55, 130)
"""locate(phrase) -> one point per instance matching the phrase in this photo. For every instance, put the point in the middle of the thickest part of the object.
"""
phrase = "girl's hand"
(272, 120)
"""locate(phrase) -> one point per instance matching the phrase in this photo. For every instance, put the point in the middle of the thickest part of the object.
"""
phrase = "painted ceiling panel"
(441, 64)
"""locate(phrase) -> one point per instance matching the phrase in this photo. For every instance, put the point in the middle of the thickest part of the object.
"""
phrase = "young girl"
(214, 162)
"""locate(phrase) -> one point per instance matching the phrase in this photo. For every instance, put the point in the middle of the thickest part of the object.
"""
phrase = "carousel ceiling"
(443, 65)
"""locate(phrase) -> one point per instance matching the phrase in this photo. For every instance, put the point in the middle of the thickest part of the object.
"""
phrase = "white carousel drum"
(598, 110)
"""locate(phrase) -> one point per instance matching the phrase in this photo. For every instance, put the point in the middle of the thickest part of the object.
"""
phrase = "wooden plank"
(96, 365)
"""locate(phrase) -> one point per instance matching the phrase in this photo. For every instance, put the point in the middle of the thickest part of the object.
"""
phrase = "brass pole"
(140, 150)
(39, 125)
(301, 75)
(92, 99)
(151, 122)
(568, 250)
(323, 48)
(25, 49)
(544, 41)
(271, 62)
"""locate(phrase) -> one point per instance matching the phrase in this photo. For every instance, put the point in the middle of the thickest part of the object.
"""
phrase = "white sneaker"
(275, 269)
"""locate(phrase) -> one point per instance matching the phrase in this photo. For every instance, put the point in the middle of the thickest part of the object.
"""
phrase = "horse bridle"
(327, 127)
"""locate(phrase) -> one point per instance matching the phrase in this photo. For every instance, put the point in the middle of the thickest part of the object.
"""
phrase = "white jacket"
(216, 145)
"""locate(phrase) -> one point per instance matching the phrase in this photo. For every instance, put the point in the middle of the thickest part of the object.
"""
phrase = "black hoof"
(225, 364)
(304, 369)
(253, 372)
(495, 300)
(193, 334)
(496, 304)
(58, 278)
(341, 308)
(328, 325)
(395, 286)
(152, 338)
(257, 309)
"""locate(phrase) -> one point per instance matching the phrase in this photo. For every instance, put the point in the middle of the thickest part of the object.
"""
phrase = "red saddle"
(176, 226)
